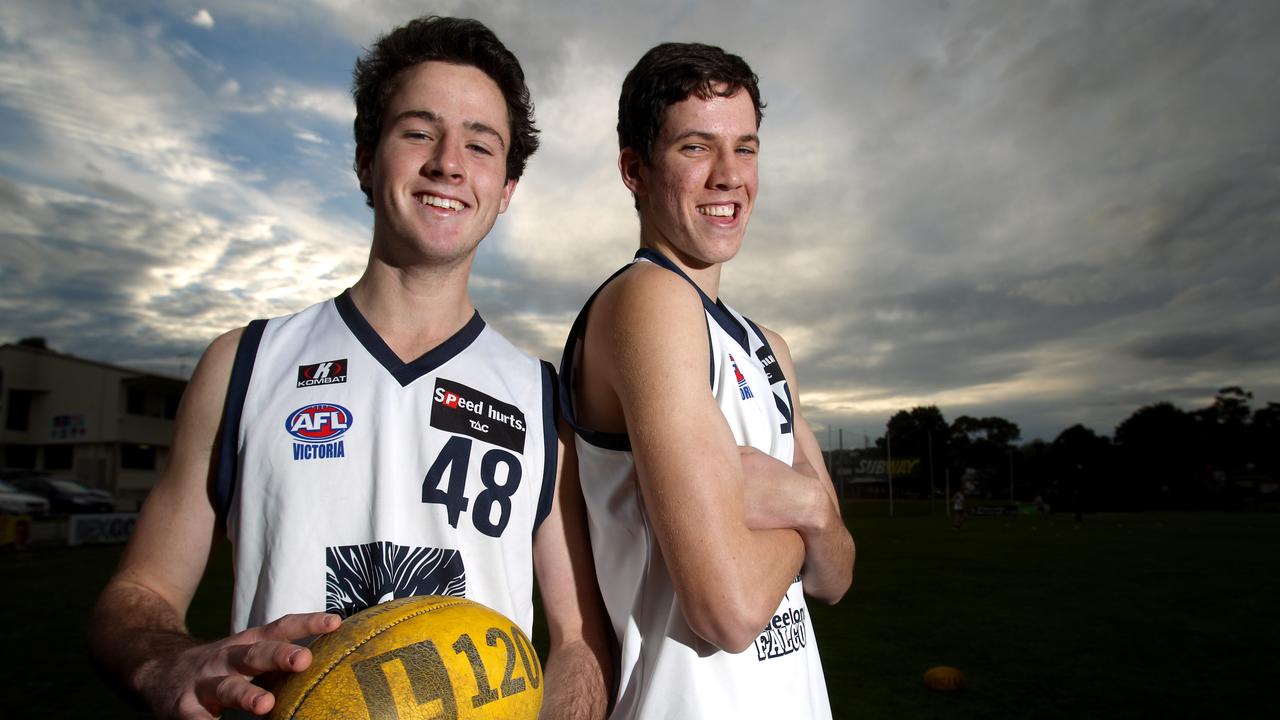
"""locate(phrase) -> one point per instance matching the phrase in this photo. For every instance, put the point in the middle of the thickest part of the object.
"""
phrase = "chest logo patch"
(319, 423)
(325, 373)
(460, 409)
(361, 576)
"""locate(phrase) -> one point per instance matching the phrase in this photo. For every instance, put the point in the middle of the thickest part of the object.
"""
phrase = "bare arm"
(578, 671)
(801, 497)
(646, 347)
(138, 635)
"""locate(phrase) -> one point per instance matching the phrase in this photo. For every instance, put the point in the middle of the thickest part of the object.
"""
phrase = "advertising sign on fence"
(103, 528)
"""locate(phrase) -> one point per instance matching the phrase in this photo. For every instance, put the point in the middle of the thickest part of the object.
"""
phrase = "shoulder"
(213, 372)
(492, 342)
(780, 349)
(221, 352)
(775, 340)
(647, 327)
(200, 411)
(647, 297)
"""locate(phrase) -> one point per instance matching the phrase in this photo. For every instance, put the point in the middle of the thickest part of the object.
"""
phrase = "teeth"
(440, 202)
(716, 210)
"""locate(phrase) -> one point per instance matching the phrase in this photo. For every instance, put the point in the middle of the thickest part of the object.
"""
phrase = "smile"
(725, 210)
(441, 202)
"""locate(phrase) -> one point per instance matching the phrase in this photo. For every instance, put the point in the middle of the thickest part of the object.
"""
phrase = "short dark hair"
(460, 41)
(668, 74)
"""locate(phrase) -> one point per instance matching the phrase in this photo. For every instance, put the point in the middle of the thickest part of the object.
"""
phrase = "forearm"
(574, 683)
(134, 635)
(829, 554)
(781, 496)
(728, 601)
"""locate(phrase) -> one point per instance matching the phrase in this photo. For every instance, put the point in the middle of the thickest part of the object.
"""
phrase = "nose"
(445, 161)
(725, 172)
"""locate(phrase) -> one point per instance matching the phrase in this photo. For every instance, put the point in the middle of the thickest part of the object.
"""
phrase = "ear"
(507, 192)
(364, 166)
(632, 167)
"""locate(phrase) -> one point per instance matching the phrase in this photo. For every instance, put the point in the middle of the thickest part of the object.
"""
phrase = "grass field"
(1125, 615)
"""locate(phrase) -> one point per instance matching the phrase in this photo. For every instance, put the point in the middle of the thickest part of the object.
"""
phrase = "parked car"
(66, 495)
(15, 502)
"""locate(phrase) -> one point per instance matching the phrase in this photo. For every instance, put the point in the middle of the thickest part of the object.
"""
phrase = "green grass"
(1126, 615)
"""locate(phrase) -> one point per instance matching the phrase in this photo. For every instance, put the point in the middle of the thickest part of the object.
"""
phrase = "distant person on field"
(957, 510)
(385, 443)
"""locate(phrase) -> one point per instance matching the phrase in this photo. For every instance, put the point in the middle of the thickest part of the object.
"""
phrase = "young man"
(382, 444)
(711, 515)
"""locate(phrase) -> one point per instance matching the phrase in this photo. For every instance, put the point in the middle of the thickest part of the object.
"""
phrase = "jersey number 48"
(455, 461)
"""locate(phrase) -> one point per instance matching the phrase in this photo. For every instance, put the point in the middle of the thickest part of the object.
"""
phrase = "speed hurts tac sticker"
(460, 409)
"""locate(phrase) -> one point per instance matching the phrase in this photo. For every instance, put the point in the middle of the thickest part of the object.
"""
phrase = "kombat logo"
(325, 373)
(459, 409)
(785, 634)
(319, 428)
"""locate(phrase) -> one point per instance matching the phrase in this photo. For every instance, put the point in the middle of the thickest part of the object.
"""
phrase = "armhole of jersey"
(229, 435)
(550, 433)
(711, 358)
(568, 371)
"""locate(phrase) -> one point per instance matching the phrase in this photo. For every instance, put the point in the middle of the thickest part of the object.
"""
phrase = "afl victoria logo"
(318, 423)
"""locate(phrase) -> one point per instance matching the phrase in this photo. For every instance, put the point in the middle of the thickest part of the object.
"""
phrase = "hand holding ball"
(418, 657)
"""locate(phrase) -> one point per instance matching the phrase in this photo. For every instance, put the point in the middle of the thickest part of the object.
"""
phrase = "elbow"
(732, 627)
(832, 594)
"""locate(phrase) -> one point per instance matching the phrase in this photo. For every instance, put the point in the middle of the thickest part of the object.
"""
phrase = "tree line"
(1224, 456)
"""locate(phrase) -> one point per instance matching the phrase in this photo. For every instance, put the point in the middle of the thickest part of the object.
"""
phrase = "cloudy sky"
(1051, 211)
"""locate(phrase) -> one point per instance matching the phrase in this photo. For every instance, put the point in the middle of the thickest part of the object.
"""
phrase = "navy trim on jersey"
(783, 407)
(550, 403)
(568, 374)
(224, 487)
(405, 373)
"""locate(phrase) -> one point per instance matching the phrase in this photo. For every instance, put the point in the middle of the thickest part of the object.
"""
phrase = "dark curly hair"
(668, 74)
(461, 41)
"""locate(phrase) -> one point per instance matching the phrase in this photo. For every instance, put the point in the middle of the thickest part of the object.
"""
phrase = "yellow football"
(944, 679)
(418, 657)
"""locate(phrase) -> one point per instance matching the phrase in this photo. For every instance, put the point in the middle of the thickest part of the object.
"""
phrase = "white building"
(104, 425)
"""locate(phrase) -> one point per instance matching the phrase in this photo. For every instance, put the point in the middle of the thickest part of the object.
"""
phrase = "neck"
(705, 275)
(413, 309)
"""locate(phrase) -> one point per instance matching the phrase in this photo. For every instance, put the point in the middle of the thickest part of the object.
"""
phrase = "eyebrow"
(704, 135)
(432, 117)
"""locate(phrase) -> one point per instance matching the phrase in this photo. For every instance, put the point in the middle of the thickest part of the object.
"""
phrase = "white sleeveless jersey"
(347, 477)
(667, 671)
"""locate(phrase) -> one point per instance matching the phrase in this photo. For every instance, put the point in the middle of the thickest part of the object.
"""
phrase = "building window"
(135, 401)
(171, 405)
(137, 457)
(18, 413)
(20, 456)
(58, 457)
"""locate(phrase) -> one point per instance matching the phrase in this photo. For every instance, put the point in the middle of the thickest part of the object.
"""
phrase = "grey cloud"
(1226, 347)
(1078, 196)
